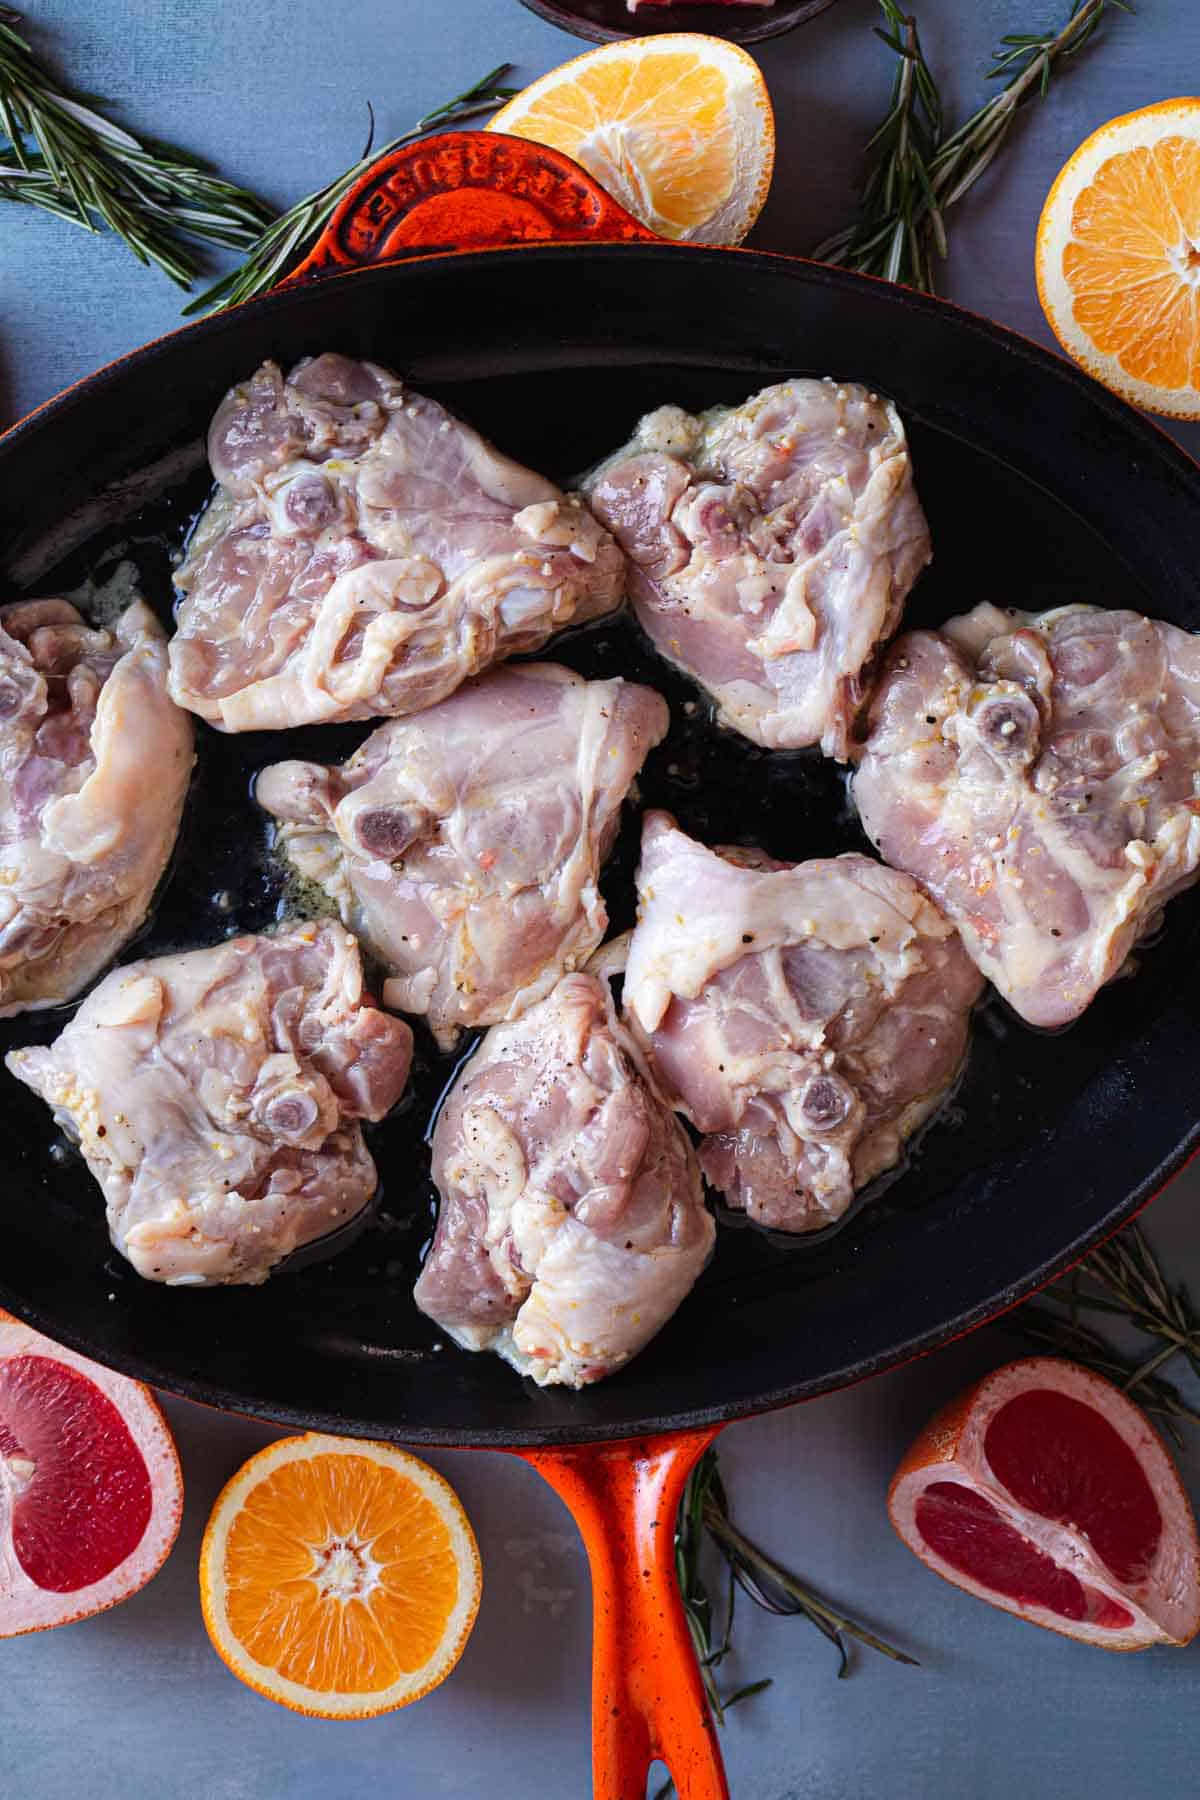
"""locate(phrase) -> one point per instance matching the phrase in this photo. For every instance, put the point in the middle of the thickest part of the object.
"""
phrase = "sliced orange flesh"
(339, 1579)
(1118, 256)
(678, 128)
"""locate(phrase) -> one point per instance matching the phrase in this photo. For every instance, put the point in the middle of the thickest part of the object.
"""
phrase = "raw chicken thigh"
(806, 1018)
(217, 1097)
(84, 836)
(771, 547)
(1039, 775)
(464, 847)
(572, 1221)
(366, 552)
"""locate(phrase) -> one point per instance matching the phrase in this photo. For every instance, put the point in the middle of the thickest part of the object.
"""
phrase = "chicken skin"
(464, 847)
(1040, 776)
(366, 552)
(216, 1096)
(806, 1018)
(771, 546)
(572, 1220)
(84, 837)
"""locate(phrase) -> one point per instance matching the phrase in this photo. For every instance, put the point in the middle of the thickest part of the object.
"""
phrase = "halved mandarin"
(1118, 257)
(339, 1578)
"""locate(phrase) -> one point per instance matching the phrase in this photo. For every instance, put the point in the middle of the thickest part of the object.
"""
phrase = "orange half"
(1118, 257)
(339, 1578)
(678, 128)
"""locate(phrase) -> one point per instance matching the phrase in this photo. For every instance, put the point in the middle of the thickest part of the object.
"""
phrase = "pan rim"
(291, 294)
(562, 1436)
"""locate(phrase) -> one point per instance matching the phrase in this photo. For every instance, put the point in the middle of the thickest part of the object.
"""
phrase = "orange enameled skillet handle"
(647, 1696)
(465, 190)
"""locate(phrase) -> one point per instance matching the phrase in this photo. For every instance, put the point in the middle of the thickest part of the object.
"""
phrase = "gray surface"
(135, 1703)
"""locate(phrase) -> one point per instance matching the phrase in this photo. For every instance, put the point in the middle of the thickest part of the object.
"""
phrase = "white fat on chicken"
(806, 1018)
(572, 1219)
(464, 847)
(366, 552)
(84, 838)
(217, 1097)
(1040, 775)
(771, 548)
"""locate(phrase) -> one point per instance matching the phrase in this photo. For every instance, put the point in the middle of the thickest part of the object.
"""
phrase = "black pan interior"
(604, 20)
(1040, 489)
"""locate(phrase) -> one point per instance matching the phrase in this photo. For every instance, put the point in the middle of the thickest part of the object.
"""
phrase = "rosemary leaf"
(62, 155)
(779, 1591)
(764, 1580)
(59, 153)
(1122, 1280)
(710, 1644)
(751, 1688)
(704, 1515)
(285, 240)
(915, 173)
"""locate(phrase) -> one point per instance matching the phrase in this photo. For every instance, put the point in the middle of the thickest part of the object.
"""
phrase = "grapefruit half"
(90, 1490)
(1045, 1491)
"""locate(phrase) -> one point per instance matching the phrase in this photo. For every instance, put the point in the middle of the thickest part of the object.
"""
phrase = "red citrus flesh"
(1046, 1492)
(969, 1534)
(1063, 1460)
(87, 1503)
(90, 1490)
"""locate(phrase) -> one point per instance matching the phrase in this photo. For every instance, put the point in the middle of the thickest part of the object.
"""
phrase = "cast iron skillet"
(1040, 487)
(604, 20)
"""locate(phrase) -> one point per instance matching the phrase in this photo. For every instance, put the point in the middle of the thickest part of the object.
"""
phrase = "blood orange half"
(1045, 1491)
(90, 1490)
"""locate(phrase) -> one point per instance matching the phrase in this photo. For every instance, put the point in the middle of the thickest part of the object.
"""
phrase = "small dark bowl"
(605, 20)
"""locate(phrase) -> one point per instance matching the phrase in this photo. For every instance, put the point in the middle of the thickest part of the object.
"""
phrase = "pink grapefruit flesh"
(1045, 1491)
(86, 1505)
(969, 1534)
(90, 1491)
(1061, 1458)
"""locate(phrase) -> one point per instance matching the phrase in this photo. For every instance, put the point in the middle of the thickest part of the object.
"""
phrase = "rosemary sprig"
(1128, 1270)
(775, 1588)
(915, 173)
(286, 239)
(1122, 1279)
(710, 1640)
(64, 156)
(1028, 59)
(703, 1518)
(67, 158)
(900, 220)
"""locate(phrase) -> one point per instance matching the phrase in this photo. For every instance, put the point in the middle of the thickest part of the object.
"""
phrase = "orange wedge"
(677, 128)
(339, 1578)
(1118, 257)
